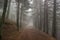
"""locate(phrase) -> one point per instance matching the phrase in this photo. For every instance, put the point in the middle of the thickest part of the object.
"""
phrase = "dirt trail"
(33, 34)
(9, 32)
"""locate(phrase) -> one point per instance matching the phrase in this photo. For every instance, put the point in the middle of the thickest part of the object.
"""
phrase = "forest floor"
(9, 32)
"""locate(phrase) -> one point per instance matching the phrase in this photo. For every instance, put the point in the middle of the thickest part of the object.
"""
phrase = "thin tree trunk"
(21, 14)
(21, 17)
(8, 9)
(54, 20)
(3, 16)
(46, 16)
(18, 15)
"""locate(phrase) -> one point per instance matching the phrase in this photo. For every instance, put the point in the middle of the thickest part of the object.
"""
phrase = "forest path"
(9, 32)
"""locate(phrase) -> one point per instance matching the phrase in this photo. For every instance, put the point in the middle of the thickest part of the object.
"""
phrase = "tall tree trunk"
(54, 20)
(18, 15)
(41, 14)
(3, 16)
(46, 16)
(9, 3)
